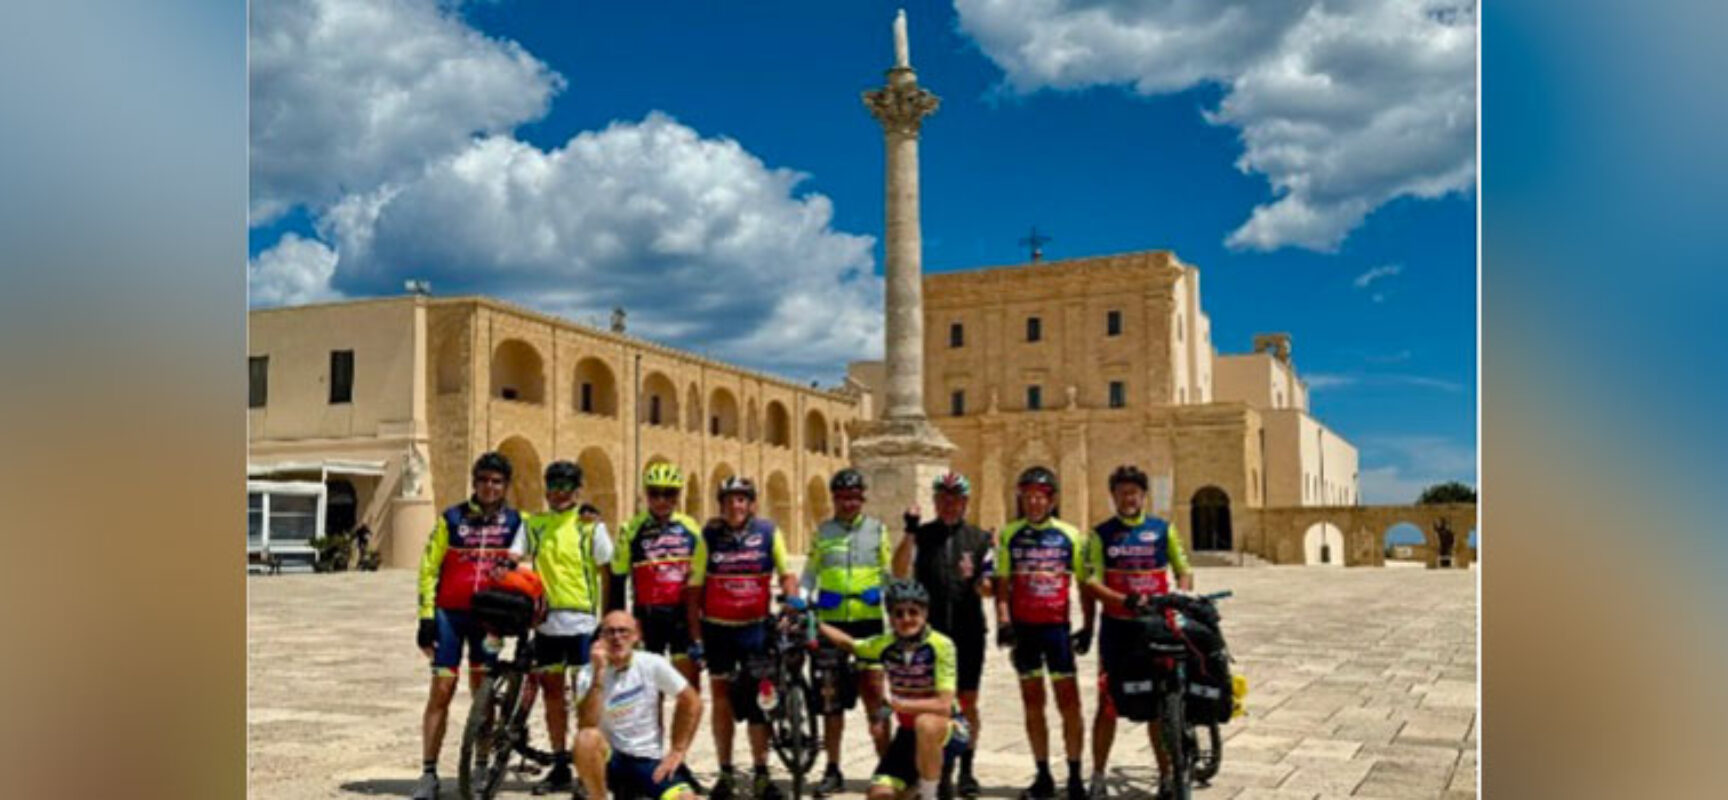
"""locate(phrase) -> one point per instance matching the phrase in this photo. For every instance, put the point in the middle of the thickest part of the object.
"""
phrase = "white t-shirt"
(564, 622)
(630, 716)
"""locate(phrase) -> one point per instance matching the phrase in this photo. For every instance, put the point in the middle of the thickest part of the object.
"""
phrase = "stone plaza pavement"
(1362, 684)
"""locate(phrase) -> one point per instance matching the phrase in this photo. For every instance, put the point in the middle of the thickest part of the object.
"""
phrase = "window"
(957, 403)
(956, 335)
(258, 381)
(1034, 398)
(1113, 323)
(587, 398)
(653, 409)
(254, 519)
(341, 376)
(1118, 394)
(1034, 329)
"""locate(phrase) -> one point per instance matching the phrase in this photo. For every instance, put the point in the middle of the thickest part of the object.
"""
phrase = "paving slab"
(1360, 681)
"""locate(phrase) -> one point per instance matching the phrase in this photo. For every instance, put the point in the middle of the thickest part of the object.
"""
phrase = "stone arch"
(722, 412)
(815, 431)
(816, 508)
(518, 372)
(527, 475)
(693, 410)
(694, 500)
(778, 494)
(779, 424)
(596, 388)
(1405, 544)
(659, 401)
(1209, 520)
(600, 485)
(1323, 544)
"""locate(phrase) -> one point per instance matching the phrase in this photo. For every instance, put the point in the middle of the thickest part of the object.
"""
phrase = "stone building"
(1085, 364)
(385, 404)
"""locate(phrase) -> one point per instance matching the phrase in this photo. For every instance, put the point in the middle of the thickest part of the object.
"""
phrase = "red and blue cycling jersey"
(1135, 556)
(735, 570)
(657, 555)
(1040, 562)
(464, 546)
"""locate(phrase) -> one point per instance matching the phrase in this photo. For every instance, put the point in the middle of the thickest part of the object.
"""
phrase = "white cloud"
(704, 245)
(349, 94)
(1343, 105)
(1362, 281)
(1320, 381)
(293, 272)
(1409, 464)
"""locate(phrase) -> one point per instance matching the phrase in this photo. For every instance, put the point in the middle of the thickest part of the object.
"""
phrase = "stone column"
(901, 453)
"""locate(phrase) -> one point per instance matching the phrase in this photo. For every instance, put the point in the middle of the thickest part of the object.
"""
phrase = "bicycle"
(786, 696)
(1193, 758)
(497, 726)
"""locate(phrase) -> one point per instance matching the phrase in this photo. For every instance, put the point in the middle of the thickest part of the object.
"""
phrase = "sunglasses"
(616, 632)
(561, 487)
(663, 494)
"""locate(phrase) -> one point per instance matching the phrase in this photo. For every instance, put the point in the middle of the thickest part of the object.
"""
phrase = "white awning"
(327, 466)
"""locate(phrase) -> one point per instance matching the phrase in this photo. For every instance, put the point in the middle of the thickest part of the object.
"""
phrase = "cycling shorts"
(725, 647)
(1041, 650)
(456, 629)
(899, 766)
(846, 669)
(552, 654)
(632, 776)
(665, 631)
(969, 661)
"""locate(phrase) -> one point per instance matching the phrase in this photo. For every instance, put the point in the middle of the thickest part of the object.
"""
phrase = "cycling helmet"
(1128, 473)
(953, 483)
(519, 581)
(903, 591)
(492, 461)
(847, 478)
(737, 485)
(563, 472)
(1037, 476)
(661, 475)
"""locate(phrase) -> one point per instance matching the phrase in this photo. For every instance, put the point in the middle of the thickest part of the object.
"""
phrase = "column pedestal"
(411, 520)
(900, 459)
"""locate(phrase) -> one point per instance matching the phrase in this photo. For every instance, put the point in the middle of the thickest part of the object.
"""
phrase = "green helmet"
(661, 475)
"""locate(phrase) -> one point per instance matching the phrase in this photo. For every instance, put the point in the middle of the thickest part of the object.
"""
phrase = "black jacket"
(951, 562)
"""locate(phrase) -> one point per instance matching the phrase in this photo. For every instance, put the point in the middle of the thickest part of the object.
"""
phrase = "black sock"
(560, 756)
(761, 769)
(1044, 771)
(966, 763)
(431, 767)
(1073, 770)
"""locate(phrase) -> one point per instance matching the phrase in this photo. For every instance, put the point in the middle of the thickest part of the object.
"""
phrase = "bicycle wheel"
(1172, 727)
(796, 738)
(486, 741)
(1206, 751)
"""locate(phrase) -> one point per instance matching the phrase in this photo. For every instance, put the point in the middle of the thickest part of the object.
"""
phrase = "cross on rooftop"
(1035, 241)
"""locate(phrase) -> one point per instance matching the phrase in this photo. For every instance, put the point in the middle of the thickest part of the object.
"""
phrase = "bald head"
(620, 619)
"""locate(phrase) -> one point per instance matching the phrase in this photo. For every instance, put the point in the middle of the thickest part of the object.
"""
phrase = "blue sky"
(711, 167)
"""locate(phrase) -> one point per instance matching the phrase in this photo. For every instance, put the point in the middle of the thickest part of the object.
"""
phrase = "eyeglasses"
(908, 612)
(662, 494)
(561, 487)
(616, 632)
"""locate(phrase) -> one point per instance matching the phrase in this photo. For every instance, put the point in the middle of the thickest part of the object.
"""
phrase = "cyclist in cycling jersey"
(920, 663)
(1039, 559)
(1131, 556)
(469, 541)
(568, 554)
(953, 560)
(843, 577)
(727, 603)
(653, 555)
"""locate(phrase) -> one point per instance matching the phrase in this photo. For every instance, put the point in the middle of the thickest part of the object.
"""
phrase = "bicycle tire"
(1173, 727)
(797, 740)
(1209, 751)
(486, 742)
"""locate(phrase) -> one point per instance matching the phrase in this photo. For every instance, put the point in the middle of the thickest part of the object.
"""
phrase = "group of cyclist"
(700, 596)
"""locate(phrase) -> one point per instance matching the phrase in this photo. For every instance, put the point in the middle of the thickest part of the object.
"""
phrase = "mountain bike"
(787, 698)
(1195, 748)
(497, 728)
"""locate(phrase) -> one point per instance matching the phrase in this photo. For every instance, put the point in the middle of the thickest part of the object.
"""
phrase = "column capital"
(902, 105)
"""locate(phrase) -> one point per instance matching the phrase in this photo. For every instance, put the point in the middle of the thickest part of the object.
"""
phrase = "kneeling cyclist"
(921, 666)
(1131, 558)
